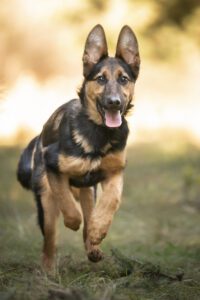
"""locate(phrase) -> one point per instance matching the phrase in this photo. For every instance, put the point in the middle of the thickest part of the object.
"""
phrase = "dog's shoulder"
(50, 132)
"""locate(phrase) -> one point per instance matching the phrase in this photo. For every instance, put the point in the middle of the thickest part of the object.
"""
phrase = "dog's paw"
(95, 255)
(96, 235)
(73, 222)
(48, 264)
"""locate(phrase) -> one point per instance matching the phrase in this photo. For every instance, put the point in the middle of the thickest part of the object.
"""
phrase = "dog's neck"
(100, 135)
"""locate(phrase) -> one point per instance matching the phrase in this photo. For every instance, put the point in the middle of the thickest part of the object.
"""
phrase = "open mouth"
(111, 118)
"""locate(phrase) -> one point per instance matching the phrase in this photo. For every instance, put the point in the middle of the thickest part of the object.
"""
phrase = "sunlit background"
(41, 46)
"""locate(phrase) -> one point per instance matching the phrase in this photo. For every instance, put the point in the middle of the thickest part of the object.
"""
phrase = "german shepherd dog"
(82, 144)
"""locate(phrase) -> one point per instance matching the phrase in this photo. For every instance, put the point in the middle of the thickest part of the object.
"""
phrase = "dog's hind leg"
(63, 195)
(51, 213)
(87, 204)
(48, 212)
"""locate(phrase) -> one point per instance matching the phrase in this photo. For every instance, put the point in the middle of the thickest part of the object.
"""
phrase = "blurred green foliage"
(191, 186)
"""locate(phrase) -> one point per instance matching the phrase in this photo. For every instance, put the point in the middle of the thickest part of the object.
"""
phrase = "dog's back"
(48, 136)
(50, 132)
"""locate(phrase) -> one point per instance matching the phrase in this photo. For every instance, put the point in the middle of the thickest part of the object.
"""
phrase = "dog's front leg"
(61, 193)
(106, 207)
(87, 204)
(59, 183)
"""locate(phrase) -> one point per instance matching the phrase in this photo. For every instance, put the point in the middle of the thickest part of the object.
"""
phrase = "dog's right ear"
(95, 49)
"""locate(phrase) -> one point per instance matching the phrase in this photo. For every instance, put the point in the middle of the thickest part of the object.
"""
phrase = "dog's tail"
(25, 165)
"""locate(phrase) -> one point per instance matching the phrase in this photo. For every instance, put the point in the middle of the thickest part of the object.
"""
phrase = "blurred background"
(41, 46)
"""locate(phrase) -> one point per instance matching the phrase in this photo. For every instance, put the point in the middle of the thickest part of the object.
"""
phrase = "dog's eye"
(101, 80)
(123, 80)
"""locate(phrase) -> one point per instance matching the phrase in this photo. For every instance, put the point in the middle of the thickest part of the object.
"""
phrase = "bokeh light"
(41, 45)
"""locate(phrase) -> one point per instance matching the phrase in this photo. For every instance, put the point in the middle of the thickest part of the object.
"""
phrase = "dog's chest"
(78, 166)
(96, 149)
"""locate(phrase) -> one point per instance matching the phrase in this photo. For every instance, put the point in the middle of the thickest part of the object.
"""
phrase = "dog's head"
(109, 82)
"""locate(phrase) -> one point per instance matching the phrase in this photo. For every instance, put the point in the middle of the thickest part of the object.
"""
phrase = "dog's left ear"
(95, 49)
(127, 49)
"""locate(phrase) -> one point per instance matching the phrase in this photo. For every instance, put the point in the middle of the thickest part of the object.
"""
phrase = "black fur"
(97, 136)
(89, 179)
(40, 212)
(112, 62)
(24, 170)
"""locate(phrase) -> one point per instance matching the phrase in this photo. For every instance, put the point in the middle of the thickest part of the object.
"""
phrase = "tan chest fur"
(113, 162)
(75, 166)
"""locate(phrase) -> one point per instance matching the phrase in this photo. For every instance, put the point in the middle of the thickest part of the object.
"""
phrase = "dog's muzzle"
(111, 112)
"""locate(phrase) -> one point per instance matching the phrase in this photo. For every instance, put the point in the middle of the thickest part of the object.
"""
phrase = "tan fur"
(87, 205)
(51, 213)
(80, 140)
(62, 194)
(32, 157)
(108, 204)
(57, 196)
(106, 148)
(92, 90)
(76, 192)
(104, 211)
(76, 166)
(113, 162)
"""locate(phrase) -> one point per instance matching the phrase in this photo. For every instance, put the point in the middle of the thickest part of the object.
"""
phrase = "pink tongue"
(113, 118)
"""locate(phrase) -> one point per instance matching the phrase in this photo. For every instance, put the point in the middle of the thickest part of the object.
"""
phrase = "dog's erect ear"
(95, 49)
(127, 49)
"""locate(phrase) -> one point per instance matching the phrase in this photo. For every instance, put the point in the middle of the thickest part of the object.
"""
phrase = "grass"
(152, 250)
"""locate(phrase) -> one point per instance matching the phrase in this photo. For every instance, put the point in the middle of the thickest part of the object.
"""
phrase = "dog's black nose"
(113, 103)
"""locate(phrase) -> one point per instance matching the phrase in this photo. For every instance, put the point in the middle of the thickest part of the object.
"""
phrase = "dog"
(82, 144)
